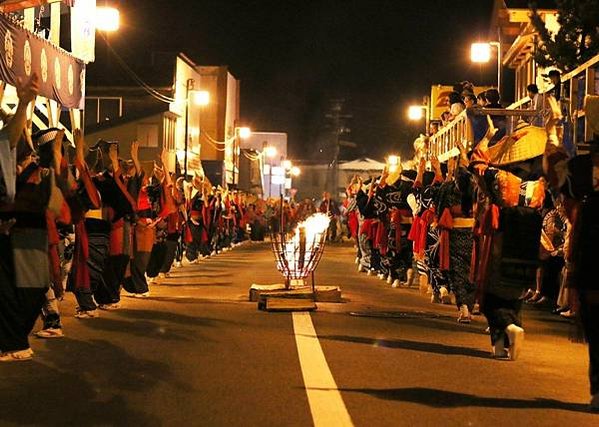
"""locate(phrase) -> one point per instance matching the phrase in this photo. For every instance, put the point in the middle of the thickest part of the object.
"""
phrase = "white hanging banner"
(83, 30)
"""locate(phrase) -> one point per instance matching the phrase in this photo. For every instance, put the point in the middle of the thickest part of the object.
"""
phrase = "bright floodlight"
(295, 171)
(270, 151)
(480, 52)
(107, 19)
(415, 112)
(245, 133)
(287, 164)
(393, 160)
(201, 97)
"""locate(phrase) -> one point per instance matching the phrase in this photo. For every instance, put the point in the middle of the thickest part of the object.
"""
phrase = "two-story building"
(191, 110)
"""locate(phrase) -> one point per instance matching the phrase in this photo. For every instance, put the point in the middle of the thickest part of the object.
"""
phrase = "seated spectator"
(481, 99)
(470, 101)
(445, 118)
(456, 104)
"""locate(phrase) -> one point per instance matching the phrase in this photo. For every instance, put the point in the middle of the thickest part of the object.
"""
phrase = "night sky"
(293, 57)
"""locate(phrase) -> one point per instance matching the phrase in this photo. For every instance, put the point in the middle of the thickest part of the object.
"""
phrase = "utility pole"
(337, 120)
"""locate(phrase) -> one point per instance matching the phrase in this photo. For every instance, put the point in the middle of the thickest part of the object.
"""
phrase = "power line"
(150, 90)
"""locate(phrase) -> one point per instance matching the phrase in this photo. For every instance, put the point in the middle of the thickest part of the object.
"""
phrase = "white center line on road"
(326, 404)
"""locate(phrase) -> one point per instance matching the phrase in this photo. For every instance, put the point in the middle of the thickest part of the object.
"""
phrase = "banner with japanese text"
(61, 75)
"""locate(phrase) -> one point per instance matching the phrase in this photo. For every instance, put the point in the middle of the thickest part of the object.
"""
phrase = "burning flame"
(299, 252)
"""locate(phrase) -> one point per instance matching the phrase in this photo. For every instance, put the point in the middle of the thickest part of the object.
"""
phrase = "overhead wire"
(150, 90)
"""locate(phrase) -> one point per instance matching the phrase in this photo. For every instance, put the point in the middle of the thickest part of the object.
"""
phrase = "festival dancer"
(368, 220)
(197, 235)
(173, 198)
(397, 261)
(424, 233)
(120, 244)
(108, 201)
(26, 206)
(146, 192)
(455, 225)
(509, 230)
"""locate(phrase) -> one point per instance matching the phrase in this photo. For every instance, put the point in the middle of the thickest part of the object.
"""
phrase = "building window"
(102, 109)
(168, 129)
(147, 135)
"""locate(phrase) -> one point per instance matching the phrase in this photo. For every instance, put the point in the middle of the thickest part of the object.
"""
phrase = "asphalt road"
(197, 353)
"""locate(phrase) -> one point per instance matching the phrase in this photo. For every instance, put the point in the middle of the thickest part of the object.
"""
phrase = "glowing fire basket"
(298, 254)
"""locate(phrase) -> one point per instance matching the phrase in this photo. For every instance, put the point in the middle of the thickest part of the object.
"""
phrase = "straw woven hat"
(527, 142)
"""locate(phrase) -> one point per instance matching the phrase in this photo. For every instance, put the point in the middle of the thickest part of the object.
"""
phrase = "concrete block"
(256, 290)
(328, 294)
(289, 304)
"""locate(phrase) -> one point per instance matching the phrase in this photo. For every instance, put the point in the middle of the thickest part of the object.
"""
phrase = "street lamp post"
(287, 166)
(268, 152)
(201, 98)
(240, 133)
(188, 88)
(481, 53)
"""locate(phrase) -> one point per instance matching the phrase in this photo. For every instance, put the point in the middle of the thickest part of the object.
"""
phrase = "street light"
(481, 53)
(270, 151)
(240, 133)
(201, 98)
(415, 113)
(295, 171)
(244, 132)
(107, 19)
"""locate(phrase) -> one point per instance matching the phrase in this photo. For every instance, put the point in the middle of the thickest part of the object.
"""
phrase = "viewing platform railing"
(461, 130)
(576, 85)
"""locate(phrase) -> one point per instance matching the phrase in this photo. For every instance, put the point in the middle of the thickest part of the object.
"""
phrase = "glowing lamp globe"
(245, 133)
(201, 97)
(270, 151)
(107, 19)
(415, 112)
(480, 52)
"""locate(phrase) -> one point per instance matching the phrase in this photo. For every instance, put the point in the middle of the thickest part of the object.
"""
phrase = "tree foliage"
(577, 39)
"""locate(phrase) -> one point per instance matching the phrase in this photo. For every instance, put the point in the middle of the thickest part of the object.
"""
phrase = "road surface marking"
(326, 404)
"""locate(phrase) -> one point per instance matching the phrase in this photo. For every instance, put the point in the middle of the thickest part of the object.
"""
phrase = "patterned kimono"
(368, 219)
(398, 255)
(455, 225)
(26, 270)
(197, 238)
(425, 234)
(90, 279)
(144, 235)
